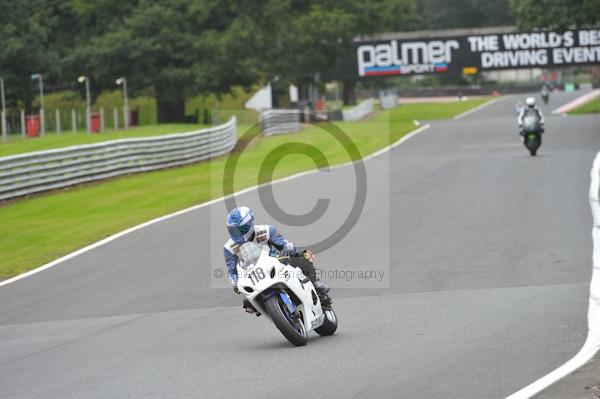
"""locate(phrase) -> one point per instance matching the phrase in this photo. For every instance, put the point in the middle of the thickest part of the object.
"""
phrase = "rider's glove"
(309, 256)
(235, 289)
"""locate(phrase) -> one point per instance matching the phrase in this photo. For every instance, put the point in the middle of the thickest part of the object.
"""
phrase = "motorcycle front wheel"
(291, 328)
(329, 325)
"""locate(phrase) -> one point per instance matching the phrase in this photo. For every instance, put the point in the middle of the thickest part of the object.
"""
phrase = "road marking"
(394, 145)
(592, 343)
(214, 201)
(195, 207)
(480, 107)
(576, 103)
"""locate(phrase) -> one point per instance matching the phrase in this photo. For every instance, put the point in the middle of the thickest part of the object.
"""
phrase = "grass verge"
(593, 107)
(37, 230)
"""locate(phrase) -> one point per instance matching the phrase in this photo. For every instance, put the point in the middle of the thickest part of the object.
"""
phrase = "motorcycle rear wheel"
(292, 329)
(532, 145)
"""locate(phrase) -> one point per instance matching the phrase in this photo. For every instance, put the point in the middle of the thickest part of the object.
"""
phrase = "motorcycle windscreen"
(531, 123)
(249, 254)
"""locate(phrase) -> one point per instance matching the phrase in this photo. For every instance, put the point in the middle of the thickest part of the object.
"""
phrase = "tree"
(556, 14)
(292, 40)
(177, 47)
(24, 50)
(301, 40)
(443, 14)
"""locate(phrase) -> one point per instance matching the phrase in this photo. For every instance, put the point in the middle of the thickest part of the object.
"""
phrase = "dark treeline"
(179, 48)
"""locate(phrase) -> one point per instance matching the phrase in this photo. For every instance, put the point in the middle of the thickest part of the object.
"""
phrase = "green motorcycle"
(532, 133)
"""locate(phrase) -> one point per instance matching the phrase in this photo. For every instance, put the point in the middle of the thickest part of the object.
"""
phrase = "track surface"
(487, 254)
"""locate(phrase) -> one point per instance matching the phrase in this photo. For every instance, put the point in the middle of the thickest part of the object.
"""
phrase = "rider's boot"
(322, 290)
(248, 308)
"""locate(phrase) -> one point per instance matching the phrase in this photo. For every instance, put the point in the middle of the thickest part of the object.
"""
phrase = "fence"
(69, 120)
(277, 121)
(47, 170)
(360, 111)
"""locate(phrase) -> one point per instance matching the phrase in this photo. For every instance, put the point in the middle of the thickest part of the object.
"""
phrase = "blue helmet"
(240, 224)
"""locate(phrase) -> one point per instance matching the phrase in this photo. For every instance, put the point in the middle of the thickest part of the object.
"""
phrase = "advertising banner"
(470, 54)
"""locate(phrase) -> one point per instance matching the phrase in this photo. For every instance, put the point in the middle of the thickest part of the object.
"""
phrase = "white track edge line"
(576, 103)
(479, 107)
(592, 342)
(195, 207)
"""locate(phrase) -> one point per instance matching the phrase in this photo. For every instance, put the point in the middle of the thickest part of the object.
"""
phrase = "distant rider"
(530, 108)
(241, 227)
(545, 93)
(545, 90)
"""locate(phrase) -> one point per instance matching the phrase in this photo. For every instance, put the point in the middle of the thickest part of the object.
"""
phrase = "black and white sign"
(474, 53)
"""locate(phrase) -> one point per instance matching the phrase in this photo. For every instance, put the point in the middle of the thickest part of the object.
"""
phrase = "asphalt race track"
(486, 254)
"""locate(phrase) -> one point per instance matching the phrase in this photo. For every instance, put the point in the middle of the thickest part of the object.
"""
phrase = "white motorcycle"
(283, 293)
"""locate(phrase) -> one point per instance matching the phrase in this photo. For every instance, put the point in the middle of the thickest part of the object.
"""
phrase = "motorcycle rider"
(545, 92)
(531, 107)
(241, 228)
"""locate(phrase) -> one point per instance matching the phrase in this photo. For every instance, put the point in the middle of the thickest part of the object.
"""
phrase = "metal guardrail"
(48, 170)
(360, 111)
(278, 121)
(388, 101)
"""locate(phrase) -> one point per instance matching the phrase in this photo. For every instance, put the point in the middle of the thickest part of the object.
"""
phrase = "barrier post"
(23, 123)
(57, 112)
(101, 119)
(4, 127)
(42, 122)
(116, 118)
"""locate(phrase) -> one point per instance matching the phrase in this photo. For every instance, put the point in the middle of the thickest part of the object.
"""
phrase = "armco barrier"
(47, 170)
(360, 111)
(278, 121)
(388, 101)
